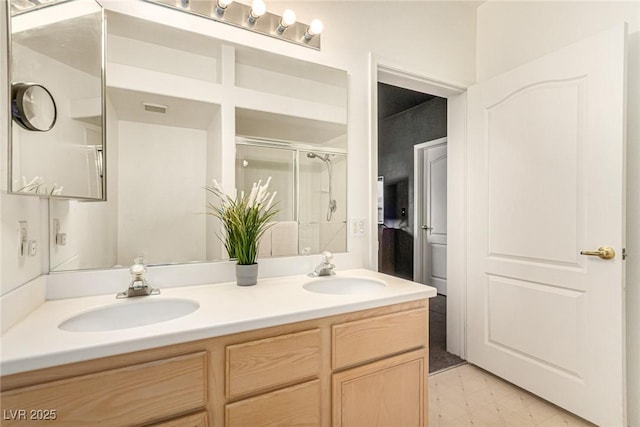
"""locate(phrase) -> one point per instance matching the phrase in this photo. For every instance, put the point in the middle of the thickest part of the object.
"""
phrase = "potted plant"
(244, 221)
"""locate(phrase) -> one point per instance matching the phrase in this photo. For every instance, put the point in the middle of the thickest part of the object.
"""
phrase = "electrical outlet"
(33, 247)
(362, 225)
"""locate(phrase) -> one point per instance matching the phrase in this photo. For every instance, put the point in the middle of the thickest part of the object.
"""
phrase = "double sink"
(131, 313)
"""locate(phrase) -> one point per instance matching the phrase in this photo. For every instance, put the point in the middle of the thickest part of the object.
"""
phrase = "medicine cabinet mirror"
(185, 108)
(56, 76)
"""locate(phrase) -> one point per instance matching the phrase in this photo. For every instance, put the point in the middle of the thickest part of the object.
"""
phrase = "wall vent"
(155, 108)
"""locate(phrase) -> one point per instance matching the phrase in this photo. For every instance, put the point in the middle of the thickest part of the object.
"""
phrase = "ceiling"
(393, 100)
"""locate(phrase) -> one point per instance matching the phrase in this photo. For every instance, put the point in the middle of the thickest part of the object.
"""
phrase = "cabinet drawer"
(268, 363)
(133, 395)
(377, 337)
(194, 420)
(292, 406)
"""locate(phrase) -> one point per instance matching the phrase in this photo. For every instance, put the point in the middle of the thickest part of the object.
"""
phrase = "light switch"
(60, 238)
(353, 227)
(22, 230)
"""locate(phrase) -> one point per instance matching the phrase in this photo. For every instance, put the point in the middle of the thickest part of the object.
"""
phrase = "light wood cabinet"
(292, 406)
(201, 419)
(376, 337)
(271, 362)
(365, 368)
(127, 396)
(390, 392)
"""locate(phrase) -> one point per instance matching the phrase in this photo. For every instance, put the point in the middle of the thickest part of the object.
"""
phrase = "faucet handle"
(327, 257)
(138, 268)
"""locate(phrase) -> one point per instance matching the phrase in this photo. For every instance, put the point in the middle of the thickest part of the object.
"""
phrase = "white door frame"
(383, 71)
(418, 192)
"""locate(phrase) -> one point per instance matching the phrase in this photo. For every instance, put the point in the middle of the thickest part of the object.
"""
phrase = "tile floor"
(469, 396)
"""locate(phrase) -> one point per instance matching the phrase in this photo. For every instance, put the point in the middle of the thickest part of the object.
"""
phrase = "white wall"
(513, 33)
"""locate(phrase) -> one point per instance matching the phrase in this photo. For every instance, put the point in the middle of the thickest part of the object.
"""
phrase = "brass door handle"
(604, 252)
(426, 227)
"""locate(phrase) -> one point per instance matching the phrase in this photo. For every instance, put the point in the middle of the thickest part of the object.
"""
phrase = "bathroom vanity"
(321, 359)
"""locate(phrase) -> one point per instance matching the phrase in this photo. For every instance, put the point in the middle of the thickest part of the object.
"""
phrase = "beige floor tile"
(513, 402)
(485, 417)
(482, 397)
(468, 396)
(542, 411)
(516, 418)
(473, 385)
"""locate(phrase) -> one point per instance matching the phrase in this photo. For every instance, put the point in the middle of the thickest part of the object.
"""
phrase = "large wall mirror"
(56, 77)
(183, 109)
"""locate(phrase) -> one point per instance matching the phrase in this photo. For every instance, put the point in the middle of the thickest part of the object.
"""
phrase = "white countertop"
(225, 308)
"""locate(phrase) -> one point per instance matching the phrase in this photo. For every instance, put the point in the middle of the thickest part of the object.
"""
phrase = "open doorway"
(412, 132)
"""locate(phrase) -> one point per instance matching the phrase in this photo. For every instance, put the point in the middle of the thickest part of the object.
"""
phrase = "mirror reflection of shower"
(333, 205)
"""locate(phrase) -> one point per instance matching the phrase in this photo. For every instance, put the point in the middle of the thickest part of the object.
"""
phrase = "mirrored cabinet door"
(56, 74)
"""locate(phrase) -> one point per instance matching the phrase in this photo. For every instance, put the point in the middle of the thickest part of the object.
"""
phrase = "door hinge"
(624, 253)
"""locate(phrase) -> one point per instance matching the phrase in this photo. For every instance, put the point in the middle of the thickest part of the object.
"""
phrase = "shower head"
(324, 158)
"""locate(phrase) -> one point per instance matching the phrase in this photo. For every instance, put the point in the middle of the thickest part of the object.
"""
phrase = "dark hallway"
(439, 357)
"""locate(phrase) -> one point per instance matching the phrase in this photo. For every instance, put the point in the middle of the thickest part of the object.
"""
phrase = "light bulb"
(288, 18)
(258, 8)
(315, 27)
(221, 6)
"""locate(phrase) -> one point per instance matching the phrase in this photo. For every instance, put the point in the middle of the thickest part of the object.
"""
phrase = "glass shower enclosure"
(311, 182)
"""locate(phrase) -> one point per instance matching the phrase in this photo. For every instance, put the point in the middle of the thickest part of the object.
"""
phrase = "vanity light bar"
(254, 18)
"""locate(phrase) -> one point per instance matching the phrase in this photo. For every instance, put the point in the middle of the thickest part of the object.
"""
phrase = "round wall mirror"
(33, 107)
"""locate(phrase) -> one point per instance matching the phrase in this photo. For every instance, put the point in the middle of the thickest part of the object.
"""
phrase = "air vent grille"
(155, 108)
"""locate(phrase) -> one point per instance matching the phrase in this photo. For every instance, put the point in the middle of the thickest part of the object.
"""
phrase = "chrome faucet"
(326, 267)
(139, 285)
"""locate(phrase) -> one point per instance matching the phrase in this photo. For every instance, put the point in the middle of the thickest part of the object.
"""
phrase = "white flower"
(271, 200)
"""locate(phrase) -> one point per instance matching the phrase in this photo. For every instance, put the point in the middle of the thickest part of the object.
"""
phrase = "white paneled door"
(545, 182)
(434, 221)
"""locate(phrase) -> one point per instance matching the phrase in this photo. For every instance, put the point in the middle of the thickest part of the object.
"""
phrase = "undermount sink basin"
(129, 314)
(344, 285)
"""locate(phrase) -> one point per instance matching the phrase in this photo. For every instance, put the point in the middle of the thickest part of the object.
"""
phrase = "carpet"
(439, 357)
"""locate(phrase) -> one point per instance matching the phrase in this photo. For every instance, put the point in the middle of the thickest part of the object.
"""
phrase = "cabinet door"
(390, 392)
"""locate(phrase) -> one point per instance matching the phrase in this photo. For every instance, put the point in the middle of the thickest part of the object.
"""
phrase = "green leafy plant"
(244, 219)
